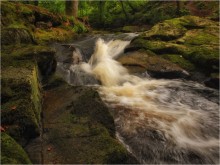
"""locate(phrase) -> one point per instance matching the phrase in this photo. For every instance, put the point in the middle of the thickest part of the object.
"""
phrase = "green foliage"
(56, 6)
(79, 27)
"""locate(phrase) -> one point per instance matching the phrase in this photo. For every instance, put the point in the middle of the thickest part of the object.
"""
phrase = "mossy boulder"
(12, 152)
(16, 36)
(21, 83)
(158, 67)
(179, 60)
(21, 111)
(189, 41)
(177, 27)
(26, 55)
(156, 46)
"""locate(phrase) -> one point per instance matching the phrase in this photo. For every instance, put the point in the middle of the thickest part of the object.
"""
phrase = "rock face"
(191, 42)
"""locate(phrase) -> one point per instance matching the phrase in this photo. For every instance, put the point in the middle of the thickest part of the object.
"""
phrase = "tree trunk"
(69, 8)
(72, 8)
(75, 8)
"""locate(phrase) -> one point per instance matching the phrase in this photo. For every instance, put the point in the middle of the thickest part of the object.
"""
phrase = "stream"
(159, 121)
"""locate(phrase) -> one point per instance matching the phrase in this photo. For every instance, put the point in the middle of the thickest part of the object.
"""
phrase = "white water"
(162, 121)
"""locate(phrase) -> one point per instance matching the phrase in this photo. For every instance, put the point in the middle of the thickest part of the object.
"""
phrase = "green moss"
(203, 56)
(199, 37)
(190, 22)
(52, 35)
(79, 27)
(179, 60)
(158, 47)
(35, 93)
(165, 31)
(12, 152)
(23, 108)
(85, 107)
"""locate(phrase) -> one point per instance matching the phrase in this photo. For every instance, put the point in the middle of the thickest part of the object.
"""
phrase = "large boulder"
(189, 41)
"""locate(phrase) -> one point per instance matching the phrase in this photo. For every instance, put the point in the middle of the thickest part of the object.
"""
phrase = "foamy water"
(161, 121)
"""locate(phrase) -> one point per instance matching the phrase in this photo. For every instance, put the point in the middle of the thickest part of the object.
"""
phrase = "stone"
(141, 61)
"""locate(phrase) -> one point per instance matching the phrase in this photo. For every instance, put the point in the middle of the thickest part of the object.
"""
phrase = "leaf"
(49, 148)
(13, 107)
(2, 129)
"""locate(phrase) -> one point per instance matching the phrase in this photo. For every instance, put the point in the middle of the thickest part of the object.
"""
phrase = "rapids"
(159, 121)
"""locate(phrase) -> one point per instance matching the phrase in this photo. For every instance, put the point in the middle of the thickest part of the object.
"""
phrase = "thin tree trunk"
(69, 8)
(75, 8)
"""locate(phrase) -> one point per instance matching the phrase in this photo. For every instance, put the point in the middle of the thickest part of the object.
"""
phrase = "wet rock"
(12, 152)
(213, 81)
(156, 66)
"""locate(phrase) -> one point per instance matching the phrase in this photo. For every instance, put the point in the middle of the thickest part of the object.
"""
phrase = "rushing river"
(159, 121)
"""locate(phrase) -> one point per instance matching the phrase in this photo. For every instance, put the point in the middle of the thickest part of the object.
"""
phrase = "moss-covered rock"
(158, 67)
(165, 31)
(21, 21)
(21, 114)
(176, 28)
(12, 152)
(156, 46)
(193, 38)
(16, 36)
(179, 60)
